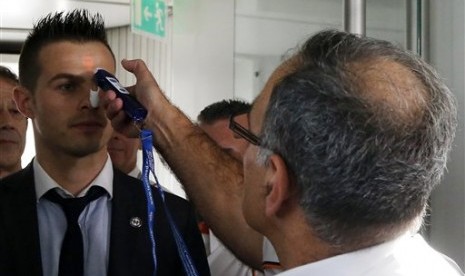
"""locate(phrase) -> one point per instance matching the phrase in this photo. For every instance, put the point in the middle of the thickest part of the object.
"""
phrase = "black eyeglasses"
(243, 132)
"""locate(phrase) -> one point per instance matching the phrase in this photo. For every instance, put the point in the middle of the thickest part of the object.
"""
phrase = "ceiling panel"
(18, 16)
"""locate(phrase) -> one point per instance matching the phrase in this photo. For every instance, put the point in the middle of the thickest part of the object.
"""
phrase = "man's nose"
(90, 98)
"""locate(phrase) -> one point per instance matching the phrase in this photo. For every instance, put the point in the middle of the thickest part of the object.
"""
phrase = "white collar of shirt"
(407, 255)
(43, 182)
(346, 264)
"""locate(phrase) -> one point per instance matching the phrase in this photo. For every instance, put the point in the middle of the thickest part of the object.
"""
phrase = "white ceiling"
(263, 27)
(18, 16)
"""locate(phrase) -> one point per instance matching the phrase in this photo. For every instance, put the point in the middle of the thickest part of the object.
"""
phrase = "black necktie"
(71, 255)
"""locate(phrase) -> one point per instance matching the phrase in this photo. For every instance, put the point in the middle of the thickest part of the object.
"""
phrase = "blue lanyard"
(149, 167)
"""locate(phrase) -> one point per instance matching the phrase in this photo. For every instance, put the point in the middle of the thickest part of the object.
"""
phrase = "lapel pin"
(135, 222)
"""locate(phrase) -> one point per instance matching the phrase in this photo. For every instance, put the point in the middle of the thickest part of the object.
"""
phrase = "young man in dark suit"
(56, 74)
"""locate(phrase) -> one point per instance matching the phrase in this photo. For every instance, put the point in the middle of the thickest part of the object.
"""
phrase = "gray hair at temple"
(365, 129)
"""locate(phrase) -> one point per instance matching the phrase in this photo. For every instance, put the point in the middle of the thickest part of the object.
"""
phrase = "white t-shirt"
(222, 262)
(405, 256)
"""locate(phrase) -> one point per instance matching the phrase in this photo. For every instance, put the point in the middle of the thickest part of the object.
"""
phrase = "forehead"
(242, 119)
(219, 126)
(69, 56)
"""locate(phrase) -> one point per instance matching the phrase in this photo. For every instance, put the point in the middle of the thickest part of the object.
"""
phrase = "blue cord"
(149, 166)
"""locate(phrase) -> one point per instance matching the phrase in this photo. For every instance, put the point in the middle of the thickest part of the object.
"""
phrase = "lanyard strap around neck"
(149, 167)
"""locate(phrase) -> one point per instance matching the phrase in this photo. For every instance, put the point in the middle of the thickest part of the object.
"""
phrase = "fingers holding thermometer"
(148, 94)
(122, 109)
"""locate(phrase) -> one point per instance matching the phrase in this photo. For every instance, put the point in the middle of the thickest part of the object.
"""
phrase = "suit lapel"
(129, 242)
(21, 210)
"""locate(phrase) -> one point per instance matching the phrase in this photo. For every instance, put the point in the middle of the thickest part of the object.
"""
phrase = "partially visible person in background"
(13, 125)
(215, 120)
(123, 153)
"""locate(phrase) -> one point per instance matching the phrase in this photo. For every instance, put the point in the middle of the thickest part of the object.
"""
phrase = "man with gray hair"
(348, 138)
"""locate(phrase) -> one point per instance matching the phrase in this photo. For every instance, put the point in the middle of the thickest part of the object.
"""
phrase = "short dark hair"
(365, 129)
(76, 26)
(6, 73)
(223, 110)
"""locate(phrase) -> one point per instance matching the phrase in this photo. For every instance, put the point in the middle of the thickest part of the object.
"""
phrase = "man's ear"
(279, 185)
(23, 99)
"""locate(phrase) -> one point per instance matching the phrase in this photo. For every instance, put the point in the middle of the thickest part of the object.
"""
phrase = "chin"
(84, 151)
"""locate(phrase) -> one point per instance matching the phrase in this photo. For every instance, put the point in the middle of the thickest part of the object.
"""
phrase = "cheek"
(44, 106)
(253, 200)
(23, 131)
(23, 127)
(252, 174)
(242, 147)
(248, 162)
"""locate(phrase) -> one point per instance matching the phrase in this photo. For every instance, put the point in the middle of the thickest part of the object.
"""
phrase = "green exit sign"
(148, 17)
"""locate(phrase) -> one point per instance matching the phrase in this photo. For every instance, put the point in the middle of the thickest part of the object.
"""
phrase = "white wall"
(447, 47)
(203, 53)
(265, 30)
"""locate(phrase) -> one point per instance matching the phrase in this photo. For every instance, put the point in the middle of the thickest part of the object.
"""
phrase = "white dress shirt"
(407, 255)
(222, 261)
(94, 222)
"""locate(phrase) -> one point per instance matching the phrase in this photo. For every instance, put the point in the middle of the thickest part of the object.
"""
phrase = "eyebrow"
(76, 78)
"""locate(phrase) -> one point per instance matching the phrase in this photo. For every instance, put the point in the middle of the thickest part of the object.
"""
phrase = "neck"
(73, 173)
(296, 244)
(129, 169)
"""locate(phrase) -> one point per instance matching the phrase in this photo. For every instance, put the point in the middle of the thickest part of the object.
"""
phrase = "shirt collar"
(43, 182)
(355, 262)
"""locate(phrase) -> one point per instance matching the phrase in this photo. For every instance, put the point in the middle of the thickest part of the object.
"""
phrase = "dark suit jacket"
(130, 248)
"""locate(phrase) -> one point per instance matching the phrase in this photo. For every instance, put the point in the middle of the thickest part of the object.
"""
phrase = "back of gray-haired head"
(365, 128)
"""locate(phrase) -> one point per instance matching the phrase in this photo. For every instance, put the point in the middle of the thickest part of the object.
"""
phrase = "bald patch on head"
(393, 91)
